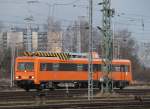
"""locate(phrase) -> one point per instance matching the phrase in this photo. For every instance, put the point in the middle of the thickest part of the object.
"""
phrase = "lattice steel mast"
(107, 45)
(29, 34)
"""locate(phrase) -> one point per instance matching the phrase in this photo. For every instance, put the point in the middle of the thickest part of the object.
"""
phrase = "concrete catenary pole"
(90, 58)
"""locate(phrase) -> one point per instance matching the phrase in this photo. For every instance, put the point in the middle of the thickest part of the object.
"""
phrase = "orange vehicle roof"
(122, 61)
(73, 60)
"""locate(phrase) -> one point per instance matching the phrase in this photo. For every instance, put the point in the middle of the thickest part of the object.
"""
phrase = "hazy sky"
(136, 17)
(133, 15)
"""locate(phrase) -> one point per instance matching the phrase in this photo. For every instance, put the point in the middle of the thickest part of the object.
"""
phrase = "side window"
(80, 67)
(55, 66)
(96, 67)
(49, 66)
(67, 67)
(99, 67)
(85, 67)
(45, 66)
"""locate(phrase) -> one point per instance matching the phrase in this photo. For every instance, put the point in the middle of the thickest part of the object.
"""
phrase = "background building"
(41, 41)
(54, 43)
(13, 39)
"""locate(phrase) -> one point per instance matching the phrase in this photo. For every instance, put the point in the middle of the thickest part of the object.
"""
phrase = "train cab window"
(45, 66)
(55, 66)
(25, 66)
(116, 68)
(120, 68)
(124, 68)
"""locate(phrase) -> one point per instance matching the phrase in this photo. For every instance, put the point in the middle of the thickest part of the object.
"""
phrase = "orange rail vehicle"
(49, 72)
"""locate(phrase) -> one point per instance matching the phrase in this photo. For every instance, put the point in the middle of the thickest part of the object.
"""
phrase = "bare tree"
(81, 27)
(53, 25)
(129, 50)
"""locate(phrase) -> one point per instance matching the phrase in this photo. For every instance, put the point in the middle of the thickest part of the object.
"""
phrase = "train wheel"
(104, 86)
(99, 86)
(52, 86)
(110, 86)
(121, 87)
(38, 88)
(27, 89)
(77, 85)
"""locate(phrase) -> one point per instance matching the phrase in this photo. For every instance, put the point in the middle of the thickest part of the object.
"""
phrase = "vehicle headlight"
(17, 77)
(32, 77)
(101, 79)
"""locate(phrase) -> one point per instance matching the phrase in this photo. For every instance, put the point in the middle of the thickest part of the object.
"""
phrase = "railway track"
(74, 104)
(76, 98)
(134, 91)
(73, 92)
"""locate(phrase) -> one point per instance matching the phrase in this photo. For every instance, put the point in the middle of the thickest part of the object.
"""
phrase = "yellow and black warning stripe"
(26, 53)
(62, 56)
(39, 53)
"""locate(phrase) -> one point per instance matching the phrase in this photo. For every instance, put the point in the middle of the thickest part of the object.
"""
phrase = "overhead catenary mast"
(29, 21)
(107, 46)
(29, 33)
